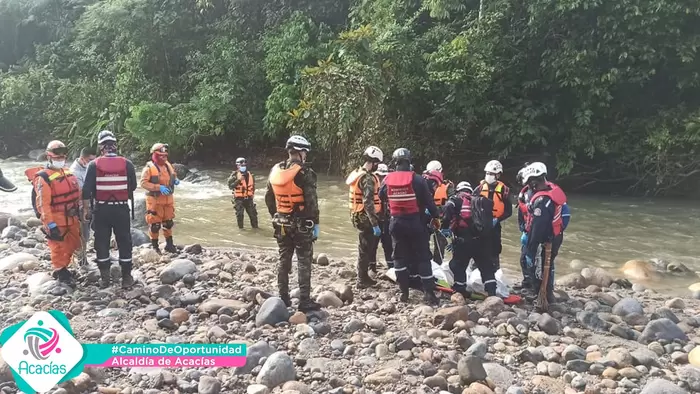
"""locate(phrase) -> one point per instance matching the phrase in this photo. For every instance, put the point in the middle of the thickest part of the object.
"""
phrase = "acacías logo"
(41, 341)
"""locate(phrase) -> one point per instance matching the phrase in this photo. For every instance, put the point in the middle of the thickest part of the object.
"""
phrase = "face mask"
(243, 168)
(490, 179)
(58, 163)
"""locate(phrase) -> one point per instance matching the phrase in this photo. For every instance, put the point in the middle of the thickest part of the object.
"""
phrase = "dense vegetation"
(606, 92)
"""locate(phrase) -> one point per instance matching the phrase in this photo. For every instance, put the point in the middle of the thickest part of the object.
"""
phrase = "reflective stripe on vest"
(245, 189)
(65, 190)
(111, 182)
(289, 197)
(155, 178)
(356, 196)
(558, 198)
(402, 197)
(465, 213)
(496, 195)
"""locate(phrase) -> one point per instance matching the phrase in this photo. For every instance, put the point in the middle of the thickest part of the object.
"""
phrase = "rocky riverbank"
(600, 337)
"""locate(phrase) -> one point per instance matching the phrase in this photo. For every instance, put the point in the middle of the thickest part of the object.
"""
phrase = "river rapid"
(604, 231)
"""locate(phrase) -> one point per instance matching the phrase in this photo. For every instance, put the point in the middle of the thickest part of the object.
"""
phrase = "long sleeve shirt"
(79, 170)
(90, 185)
(306, 180)
(424, 197)
(542, 213)
(367, 186)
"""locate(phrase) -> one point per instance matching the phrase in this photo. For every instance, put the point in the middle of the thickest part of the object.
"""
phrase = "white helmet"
(298, 142)
(494, 166)
(105, 136)
(382, 170)
(434, 166)
(241, 160)
(374, 153)
(534, 170)
(464, 186)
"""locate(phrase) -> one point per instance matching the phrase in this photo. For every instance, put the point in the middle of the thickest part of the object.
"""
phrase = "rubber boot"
(105, 275)
(402, 279)
(390, 264)
(306, 305)
(490, 289)
(363, 279)
(373, 266)
(127, 279)
(155, 246)
(429, 292)
(287, 300)
(170, 246)
(64, 276)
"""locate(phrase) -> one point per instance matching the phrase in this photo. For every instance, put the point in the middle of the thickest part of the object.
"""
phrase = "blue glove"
(528, 260)
(523, 239)
(164, 190)
(446, 232)
(377, 231)
(52, 225)
(317, 230)
(495, 222)
(177, 182)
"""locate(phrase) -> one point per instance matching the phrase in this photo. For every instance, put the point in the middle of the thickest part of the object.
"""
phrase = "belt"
(112, 202)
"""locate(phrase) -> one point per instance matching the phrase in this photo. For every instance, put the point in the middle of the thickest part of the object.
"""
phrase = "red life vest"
(111, 183)
(402, 197)
(557, 196)
(465, 213)
(522, 202)
(435, 176)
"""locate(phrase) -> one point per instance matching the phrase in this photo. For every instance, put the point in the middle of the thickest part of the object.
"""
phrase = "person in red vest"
(545, 224)
(409, 198)
(523, 199)
(110, 181)
(242, 183)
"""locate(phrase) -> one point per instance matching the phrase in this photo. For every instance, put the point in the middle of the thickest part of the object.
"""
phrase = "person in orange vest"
(442, 190)
(159, 179)
(57, 205)
(292, 202)
(495, 190)
(365, 208)
(242, 183)
(6, 185)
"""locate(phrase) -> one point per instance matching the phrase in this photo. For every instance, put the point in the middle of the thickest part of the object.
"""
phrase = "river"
(604, 231)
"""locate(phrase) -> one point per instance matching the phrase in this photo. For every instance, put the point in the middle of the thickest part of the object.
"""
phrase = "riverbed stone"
(597, 276)
(213, 305)
(16, 260)
(471, 369)
(278, 369)
(662, 386)
(690, 375)
(271, 312)
(662, 329)
(176, 270)
(384, 376)
(627, 306)
(208, 385)
(255, 353)
(329, 299)
(445, 318)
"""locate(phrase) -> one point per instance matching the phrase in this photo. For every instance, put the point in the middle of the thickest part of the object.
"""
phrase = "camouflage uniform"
(242, 205)
(294, 233)
(364, 221)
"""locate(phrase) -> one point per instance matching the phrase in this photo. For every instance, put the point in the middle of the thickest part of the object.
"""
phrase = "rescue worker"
(110, 182)
(544, 225)
(523, 199)
(242, 183)
(79, 168)
(409, 198)
(159, 179)
(57, 204)
(495, 190)
(468, 243)
(384, 216)
(6, 185)
(292, 202)
(365, 208)
(441, 189)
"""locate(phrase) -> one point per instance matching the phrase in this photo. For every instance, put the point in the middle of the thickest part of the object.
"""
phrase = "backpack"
(482, 215)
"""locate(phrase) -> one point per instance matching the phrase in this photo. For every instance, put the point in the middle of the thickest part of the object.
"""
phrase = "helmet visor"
(60, 151)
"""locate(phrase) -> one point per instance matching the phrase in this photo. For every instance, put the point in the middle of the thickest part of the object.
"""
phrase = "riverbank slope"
(598, 338)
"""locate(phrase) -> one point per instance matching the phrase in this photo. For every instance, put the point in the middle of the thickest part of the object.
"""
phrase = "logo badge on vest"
(537, 212)
(41, 352)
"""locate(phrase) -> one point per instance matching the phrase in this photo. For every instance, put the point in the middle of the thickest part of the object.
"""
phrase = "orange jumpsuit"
(57, 199)
(160, 209)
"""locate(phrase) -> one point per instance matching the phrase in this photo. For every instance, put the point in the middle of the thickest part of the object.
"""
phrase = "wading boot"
(306, 305)
(364, 281)
(402, 279)
(127, 279)
(105, 275)
(170, 246)
(429, 292)
(286, 299)
(155, 246)
(64, 276)
(373, 267)
(240, 222)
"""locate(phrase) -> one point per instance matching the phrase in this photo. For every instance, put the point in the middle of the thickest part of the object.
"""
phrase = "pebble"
(278, 369)
(329, 299)
(471, 369)
(208, 385)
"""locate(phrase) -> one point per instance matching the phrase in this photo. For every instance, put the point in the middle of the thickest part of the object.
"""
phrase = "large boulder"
(662, 329)
(176, 270)
(597, 276)
(16, 260)
(35, 154)
(181, 170)
(278, 369)
(271, 312)
(628, 306)
(138, 237)
(639, 270)
(661, 386)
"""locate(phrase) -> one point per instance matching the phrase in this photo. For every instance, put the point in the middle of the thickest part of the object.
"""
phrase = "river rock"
(596, 276)
(179, 315)
(675, 303)
(138, 237)
(445, 318)
(343, 291)
(257, 389)
(690, 375)
(329, 299)
(298, 387)
(176, 270)
(639, 270)
(545, 384)
(548, 324)
(272, 311)
(213, 305)
(208, 385)
(181, 170)
(574, 280)
(35, 281)
(384, 376)
(278, 369)
(471, 369)
(591, 321)
(628, 306)
(661, 386)
(662, 329)
(16, 260)
(322, 260)
(694, 357)
(255, 353)
(193, 249)
(621, 357)
(33, 222)
(499, 374)
(35, 154)
(573, 352)
(139, 220)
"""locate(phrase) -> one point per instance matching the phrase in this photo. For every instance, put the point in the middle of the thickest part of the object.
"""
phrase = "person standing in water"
(242, 183)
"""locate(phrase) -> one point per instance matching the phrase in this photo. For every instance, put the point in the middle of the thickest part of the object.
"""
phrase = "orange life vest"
(244, 188)
(65, 191)
(440, 196)
(158, 177)
(356, 196)
(289, 197)
(495, 194)
(31, 173)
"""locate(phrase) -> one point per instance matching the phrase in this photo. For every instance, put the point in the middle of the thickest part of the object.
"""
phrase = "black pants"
(411, 245)
(496, 246)
(466, 247)
(387, 244)
(367, 249)
(527, 271)
(108, 219)
(242, 205)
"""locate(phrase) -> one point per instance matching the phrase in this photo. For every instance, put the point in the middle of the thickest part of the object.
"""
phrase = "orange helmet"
(160, 148)
(56, 149)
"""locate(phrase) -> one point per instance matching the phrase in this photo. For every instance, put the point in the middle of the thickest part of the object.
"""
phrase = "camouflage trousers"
(243, 205)
(291, 238)
(367, 244)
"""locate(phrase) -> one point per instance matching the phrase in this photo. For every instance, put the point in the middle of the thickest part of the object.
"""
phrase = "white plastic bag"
(443, 276)
(474, 283)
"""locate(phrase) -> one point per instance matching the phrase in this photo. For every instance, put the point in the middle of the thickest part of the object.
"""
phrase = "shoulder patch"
(537, 212)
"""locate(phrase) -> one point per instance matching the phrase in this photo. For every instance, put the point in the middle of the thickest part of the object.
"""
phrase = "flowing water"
(604, 232)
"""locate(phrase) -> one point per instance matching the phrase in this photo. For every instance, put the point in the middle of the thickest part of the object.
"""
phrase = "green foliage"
(606, 93)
